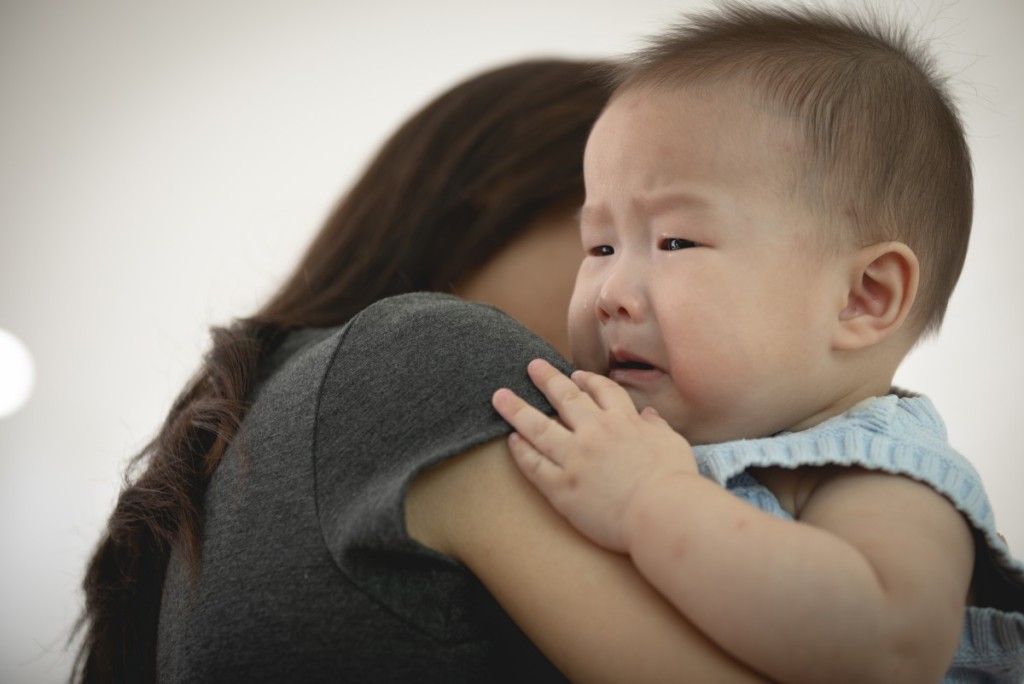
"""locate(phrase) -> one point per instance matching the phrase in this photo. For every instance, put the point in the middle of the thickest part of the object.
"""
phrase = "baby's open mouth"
(633, 365)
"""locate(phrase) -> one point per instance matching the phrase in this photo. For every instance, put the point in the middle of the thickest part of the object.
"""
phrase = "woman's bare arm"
(586, 608)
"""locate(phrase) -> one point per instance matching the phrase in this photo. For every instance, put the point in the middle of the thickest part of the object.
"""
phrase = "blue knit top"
(903, 435)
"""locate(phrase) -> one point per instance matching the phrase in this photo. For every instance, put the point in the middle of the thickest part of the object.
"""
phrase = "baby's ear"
(882, 288)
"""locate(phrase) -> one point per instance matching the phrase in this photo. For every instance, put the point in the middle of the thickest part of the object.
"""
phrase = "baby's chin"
(702, 431)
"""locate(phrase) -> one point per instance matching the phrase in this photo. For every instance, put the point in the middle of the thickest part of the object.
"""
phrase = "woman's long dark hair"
(446, 192)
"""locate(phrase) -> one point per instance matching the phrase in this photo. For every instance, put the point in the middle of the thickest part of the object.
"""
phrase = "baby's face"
(702, 291)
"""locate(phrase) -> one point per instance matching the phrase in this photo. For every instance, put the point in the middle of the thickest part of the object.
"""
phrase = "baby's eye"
(601, 250)
(673, 244)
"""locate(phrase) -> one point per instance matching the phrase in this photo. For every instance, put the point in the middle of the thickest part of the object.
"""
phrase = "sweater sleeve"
(408, 387)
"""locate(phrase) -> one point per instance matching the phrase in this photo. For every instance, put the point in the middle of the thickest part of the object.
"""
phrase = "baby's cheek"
(583, 335)
(705, 398)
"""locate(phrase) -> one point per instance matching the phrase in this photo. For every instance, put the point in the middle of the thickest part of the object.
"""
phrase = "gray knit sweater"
(307, 572)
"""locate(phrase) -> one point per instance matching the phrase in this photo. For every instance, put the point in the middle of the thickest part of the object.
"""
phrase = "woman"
(484, 176)
(288, 521)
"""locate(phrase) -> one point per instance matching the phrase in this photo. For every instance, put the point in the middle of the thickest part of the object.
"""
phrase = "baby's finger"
(543, 432)
(651, 415)
(605, 392)
(541, 471)
(573, 404)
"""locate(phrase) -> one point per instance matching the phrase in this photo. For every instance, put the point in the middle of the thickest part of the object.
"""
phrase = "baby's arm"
(869, 585)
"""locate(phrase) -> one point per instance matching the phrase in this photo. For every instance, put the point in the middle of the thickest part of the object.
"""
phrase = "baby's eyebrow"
(652, 204)
(663, 202)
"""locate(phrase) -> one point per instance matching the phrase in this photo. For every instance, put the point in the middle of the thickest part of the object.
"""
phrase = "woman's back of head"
(449, 190)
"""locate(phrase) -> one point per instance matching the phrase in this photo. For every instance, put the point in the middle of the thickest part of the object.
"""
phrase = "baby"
(778, 208)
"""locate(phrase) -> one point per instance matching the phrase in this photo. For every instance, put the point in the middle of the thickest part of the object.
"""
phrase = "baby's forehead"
(739, 93)
(730, 111)
(696, 140)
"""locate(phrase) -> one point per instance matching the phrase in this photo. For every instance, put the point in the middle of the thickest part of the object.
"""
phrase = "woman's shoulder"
(386, 324)
(424, 314)
(445, 340)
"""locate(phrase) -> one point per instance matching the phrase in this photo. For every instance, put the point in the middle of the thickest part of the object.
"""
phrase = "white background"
(162, 165)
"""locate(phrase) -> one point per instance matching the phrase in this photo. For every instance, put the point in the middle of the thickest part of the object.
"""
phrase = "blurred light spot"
(17, 373)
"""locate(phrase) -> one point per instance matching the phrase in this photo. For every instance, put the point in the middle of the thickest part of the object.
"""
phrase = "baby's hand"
(602, 455)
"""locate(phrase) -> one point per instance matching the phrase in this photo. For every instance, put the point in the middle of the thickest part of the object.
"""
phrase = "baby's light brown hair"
(885, 151)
